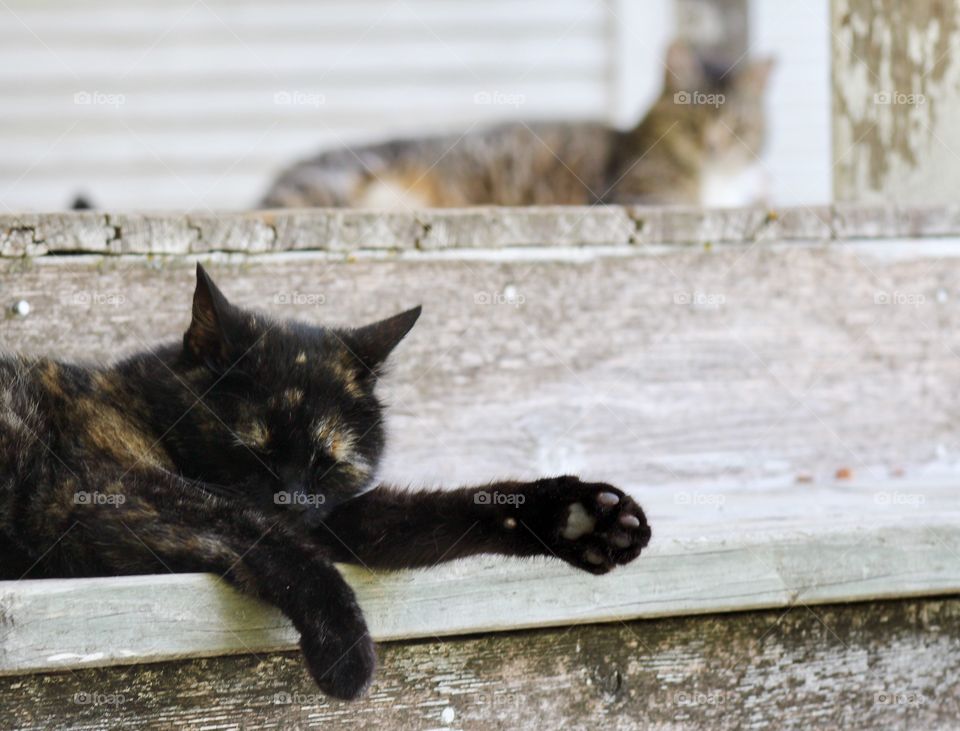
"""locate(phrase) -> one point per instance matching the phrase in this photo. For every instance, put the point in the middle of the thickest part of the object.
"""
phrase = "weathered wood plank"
(24, 235)
(686, 571)
(678, 366)
(703, 381)
(891, 665)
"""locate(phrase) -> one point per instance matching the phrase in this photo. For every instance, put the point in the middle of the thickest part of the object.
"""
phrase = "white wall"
(798, 155)
(195, 104)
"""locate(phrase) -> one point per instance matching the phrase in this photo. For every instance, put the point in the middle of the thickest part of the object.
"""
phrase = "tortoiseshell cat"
(192, 456)
(699, 144)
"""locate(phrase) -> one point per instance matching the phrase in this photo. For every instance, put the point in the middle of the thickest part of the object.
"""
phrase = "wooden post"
(896, 100)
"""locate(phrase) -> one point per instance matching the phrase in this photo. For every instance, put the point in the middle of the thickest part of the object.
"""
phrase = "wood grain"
(890, 665)
(678, 366)
(151, 618)
(343, 231)
(724, 388)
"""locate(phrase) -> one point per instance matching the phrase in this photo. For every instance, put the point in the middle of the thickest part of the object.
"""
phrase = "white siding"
(196, 104)
(797, 32)
(201, 102)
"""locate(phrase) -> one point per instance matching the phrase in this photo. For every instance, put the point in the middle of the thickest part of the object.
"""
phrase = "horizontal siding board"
(120, 35)
(190, 72)
(317, 102)
(496, 71)
(150, 19)
(346, 55)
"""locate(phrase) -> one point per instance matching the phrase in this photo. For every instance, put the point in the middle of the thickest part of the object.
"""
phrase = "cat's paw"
(597, 526)
(342, 666)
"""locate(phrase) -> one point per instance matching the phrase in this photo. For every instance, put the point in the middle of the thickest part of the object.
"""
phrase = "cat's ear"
(754, 78)
(206, 338)
(372, 344)
(684, 69)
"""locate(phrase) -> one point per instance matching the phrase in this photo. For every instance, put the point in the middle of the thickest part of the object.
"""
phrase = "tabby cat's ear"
(372, 344)
(753, 79)
(684, 69)
(206, 338)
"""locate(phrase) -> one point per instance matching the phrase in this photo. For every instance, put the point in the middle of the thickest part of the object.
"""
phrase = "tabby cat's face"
(721, 109)
(735, 132)
(292, 406)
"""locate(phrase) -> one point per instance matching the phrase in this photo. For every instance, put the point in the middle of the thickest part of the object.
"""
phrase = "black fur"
(250, 450)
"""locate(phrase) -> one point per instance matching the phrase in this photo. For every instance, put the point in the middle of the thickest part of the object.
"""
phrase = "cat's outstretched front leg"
(590, 525)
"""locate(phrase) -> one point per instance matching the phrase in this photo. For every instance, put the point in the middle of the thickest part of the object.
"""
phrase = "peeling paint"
(896, 94)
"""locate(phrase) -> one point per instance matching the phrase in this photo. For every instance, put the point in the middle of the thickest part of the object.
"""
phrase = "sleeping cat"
(250, 450)
(698, 144)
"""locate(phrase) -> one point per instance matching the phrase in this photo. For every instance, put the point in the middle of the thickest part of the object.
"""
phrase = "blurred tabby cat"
(698, 144)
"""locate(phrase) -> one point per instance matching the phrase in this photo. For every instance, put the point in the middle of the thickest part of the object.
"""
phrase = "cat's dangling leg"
(592, 526)
(166, 524)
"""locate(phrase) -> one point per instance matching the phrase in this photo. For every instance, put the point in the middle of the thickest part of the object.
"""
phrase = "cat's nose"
(295, 492)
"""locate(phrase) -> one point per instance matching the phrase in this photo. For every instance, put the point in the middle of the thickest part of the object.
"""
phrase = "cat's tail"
(330, 180)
